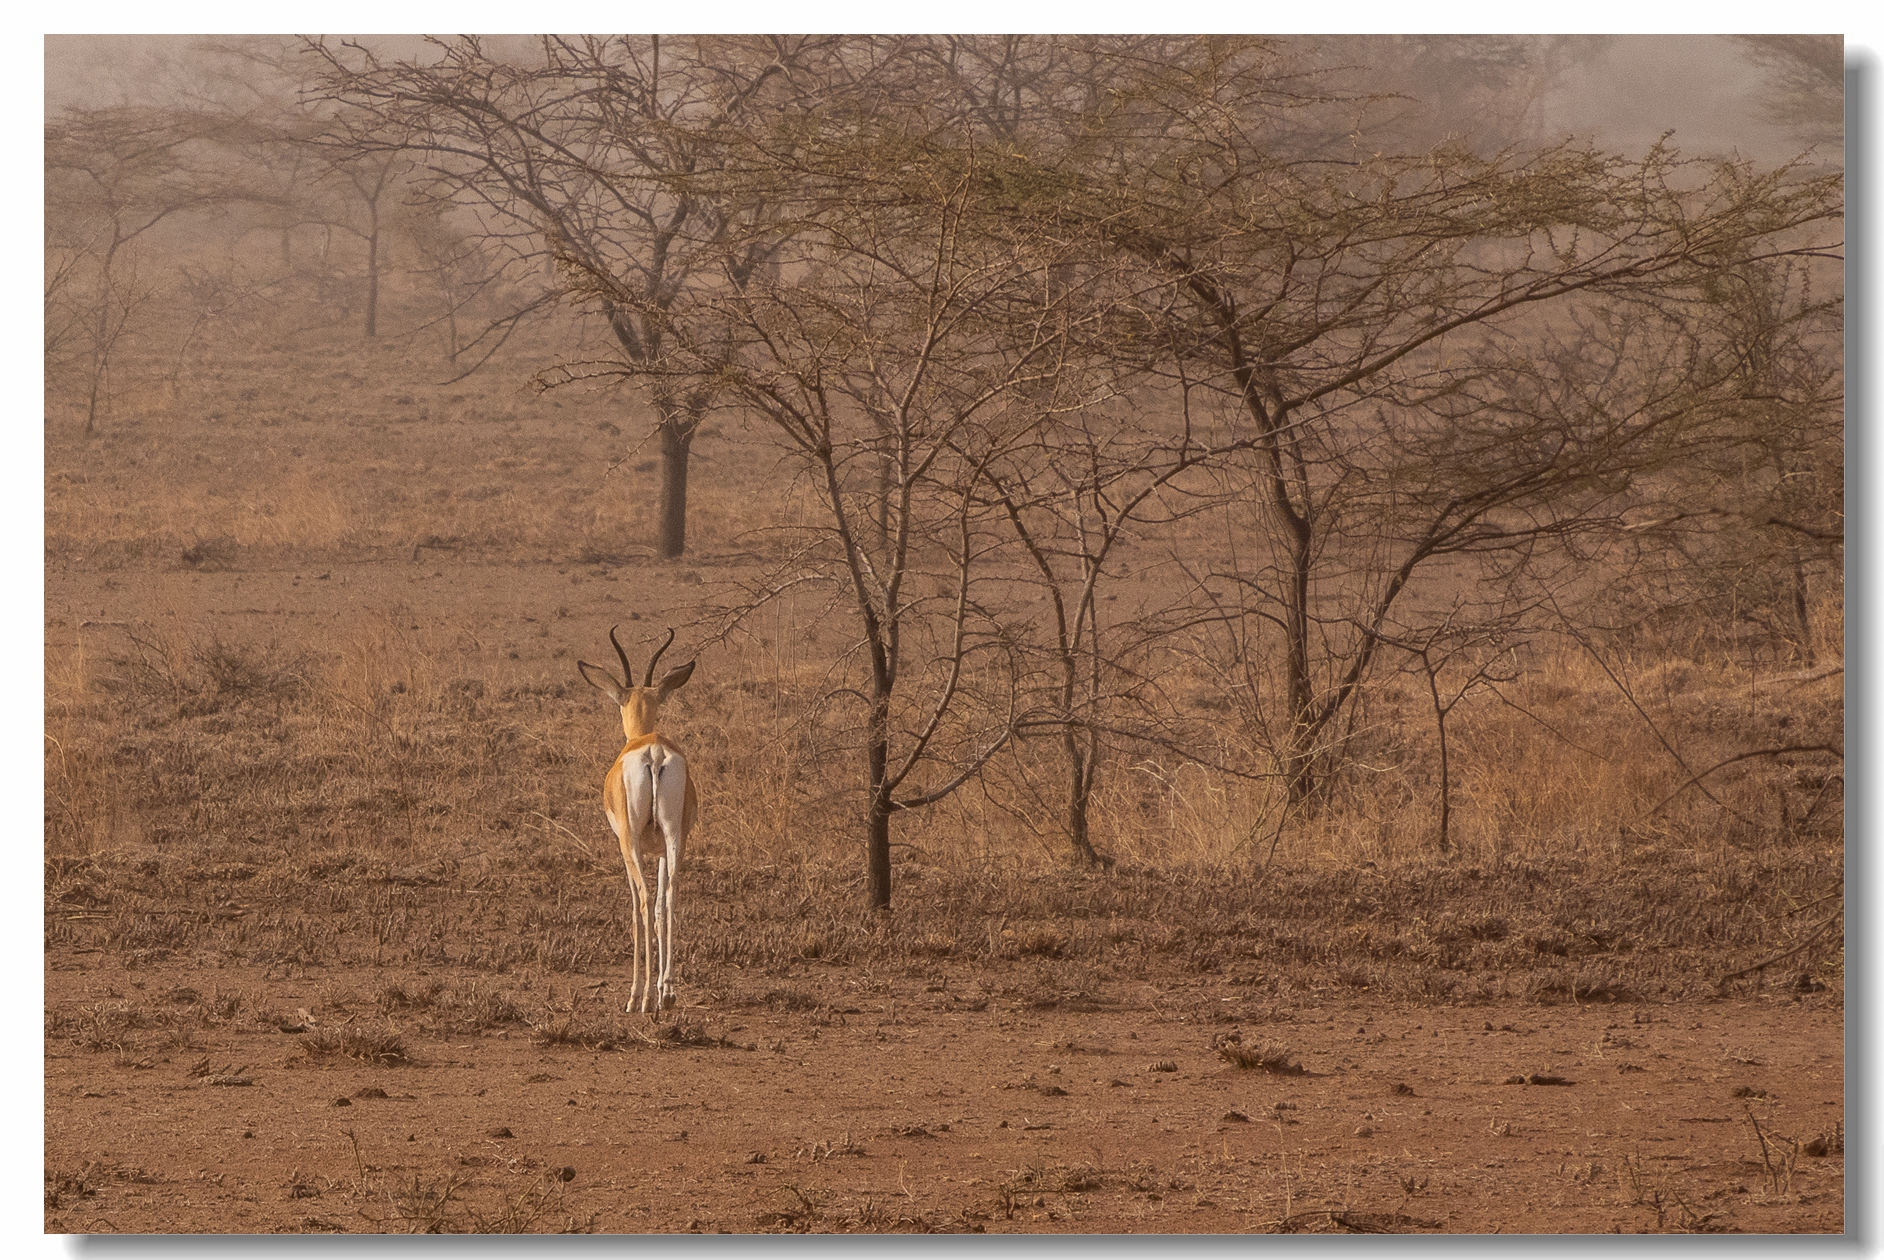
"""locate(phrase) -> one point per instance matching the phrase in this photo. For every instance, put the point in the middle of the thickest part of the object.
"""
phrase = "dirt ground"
(214, 1086)
(910, 1109)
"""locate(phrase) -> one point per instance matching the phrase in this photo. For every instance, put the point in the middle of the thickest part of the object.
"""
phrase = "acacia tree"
(1411, 92)
(112, 177)
(905, 342)
(373, 178)
(1805, 92)
(591, 154)
(1745, 532)
(262, 112)
(1385, 326)
(1077, 490)
(456, 267)
(1791, 492)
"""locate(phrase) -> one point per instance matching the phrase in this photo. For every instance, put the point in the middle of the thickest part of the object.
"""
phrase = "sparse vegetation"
(1391, 702)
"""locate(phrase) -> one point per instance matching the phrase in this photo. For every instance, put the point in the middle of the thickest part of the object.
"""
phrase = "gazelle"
(649, 789)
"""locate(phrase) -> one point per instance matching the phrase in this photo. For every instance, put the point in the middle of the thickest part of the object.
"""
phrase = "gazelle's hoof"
(669, 1001)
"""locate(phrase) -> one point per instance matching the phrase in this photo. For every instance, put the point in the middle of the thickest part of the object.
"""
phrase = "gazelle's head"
(640, 706)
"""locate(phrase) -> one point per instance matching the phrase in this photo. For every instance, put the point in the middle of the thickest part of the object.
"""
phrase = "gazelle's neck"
(639, 715)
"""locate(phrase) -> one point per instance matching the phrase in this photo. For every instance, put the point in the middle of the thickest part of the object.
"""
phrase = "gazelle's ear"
(676, 678)
(602, 681)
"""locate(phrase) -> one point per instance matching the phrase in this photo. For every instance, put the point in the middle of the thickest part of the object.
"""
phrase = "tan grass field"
(322, 817)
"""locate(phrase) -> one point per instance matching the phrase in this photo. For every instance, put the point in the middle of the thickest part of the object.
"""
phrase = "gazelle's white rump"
(654, 779)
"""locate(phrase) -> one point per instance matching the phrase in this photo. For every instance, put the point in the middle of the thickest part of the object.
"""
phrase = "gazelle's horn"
(657, 655)
(628, 671)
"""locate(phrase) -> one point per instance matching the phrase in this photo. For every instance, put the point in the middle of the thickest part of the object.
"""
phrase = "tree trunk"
(1802, 609)
(877, 838)
(1440, 712)
(676, 446)
(1079, 799)
(372, 283)
(103, 338)
(1298, 758)
(1297, 526)
(1445, 791)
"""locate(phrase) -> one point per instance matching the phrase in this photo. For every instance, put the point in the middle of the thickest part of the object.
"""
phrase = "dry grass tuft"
(369, 1045)
(1266, 1057)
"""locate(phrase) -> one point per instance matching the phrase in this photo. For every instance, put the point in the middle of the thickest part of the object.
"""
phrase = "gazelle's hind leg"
(670, 801)
(664, 933)
(669, 996)
(638, 825)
